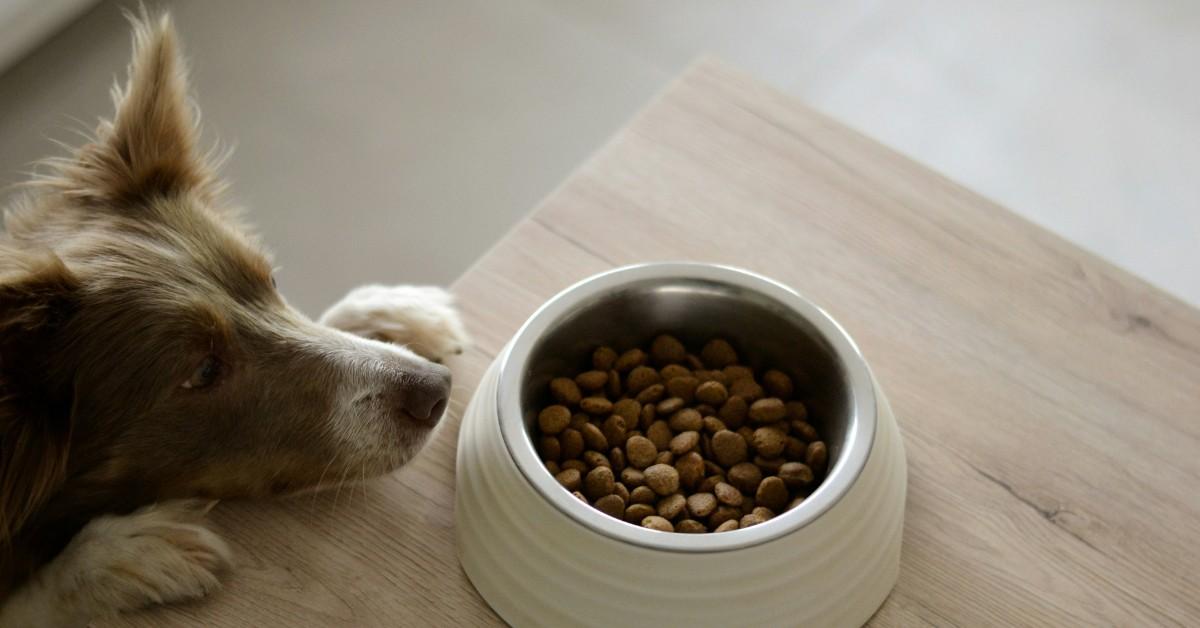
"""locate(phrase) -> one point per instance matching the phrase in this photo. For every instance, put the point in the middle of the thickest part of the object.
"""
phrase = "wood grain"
(1050, 403)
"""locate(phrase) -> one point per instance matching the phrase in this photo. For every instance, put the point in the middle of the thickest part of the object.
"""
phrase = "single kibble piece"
(816, 456)
(647, 416)
(690, 526)
(580, 496)
(596, 406)
(630, 359)
(664, 457)
(611, 505)
(764, 513)
(654, 522)
(632, 477)
(565, 391)
(795, 503)
(712, 393)
(671, 371)
(570, 479)
(804, 431)
(596, 459)
(683, 387)
(691, 469)
(684, 442)
(710, 483)
(640, 451)
(552, 467)
(636, 512)
(749, 520)
(598, 483)
(617, 457)
(795, 474)
(777, 383)
(718, 353)
(662, 479)
(728, 448)
(660, 434)
(747, 389)
(723, 514)
(594, 438)
(592, 380)
(712, 425)
(769, 441)
(641, 378)
(733, 412)
(550, 448)
(745, 477)
(578, 465)
(572, 443)
(686, 420)
(628, 409)
(795, 448)
(603, 358)
(731, 524)
(621, 491)
(670, 506)
(772, 493)
(737, 372)
(667, 349)
(578, 420)
(642, 495)
(669, 405)
(651, 394)
(727, 494)
(796, 411)
(700, 505)
(613, 387)
(767, 410)
(554, 419)
(613, 429)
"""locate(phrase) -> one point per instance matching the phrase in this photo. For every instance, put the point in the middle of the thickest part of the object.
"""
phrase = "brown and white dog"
(148, 365)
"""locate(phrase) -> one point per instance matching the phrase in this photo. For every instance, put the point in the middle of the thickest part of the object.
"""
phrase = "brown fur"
(121, 274)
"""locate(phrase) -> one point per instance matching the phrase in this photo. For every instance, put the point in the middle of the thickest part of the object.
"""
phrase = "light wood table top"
(1049, 402)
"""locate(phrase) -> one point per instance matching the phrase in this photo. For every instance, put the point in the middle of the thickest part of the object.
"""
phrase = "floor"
(394, 141)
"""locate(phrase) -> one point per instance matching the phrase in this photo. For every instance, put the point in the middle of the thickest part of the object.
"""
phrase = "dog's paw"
(156, 555)
(422, 318)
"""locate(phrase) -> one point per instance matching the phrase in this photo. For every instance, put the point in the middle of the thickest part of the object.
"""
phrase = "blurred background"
(394, 141)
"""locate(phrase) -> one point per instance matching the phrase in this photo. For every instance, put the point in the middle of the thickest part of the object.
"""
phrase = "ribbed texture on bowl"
(537, 567)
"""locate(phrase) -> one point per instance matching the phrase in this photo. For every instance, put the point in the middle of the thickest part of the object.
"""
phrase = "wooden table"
(1050, 403)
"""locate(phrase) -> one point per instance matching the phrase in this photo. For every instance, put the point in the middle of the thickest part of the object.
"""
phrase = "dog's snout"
(425, 393)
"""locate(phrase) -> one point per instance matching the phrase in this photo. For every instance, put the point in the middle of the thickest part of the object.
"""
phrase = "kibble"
(655, 522)
(598, 483)
(611, 505)
(554, 419)
(681, 442)
(662, 479)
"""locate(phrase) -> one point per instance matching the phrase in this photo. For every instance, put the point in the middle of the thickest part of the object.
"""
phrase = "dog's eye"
(205, 374)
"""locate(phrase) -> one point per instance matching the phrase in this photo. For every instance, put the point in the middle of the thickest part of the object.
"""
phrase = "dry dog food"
(681, 442)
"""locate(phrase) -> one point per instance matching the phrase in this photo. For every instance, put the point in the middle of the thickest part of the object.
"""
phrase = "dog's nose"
(426, 393)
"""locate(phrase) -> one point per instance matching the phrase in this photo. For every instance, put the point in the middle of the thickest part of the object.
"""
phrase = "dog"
(149, 366)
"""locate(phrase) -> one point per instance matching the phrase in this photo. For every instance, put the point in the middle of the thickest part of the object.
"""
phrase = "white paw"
(156, 555)
(422, 318)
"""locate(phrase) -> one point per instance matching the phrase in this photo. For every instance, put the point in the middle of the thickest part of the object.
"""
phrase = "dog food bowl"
(541, 557)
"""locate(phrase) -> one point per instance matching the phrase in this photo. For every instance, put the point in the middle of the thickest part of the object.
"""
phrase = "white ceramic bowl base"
(536, 566)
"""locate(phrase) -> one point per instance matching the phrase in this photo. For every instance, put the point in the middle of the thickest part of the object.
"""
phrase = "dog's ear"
(149, 147)
(38, 295)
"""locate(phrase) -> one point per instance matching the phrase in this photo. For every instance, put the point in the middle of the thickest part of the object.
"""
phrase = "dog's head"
(145, 352)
